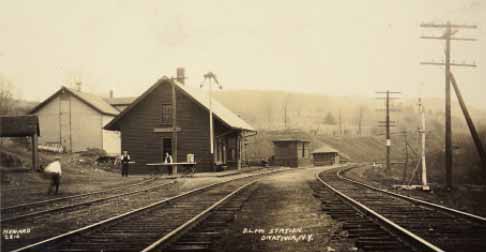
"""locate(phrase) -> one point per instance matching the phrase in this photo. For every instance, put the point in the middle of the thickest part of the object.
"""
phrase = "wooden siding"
(290, 154)
(70, 122)
(321, 159)
(145, 145)
(111, 139)
(286, 154)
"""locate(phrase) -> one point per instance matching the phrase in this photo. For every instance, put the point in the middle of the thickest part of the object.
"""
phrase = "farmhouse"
(291, 152)
(171, 117)
(325, 156)
(74, 120)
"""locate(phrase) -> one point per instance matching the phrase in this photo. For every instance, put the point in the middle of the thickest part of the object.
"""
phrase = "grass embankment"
(80, 174)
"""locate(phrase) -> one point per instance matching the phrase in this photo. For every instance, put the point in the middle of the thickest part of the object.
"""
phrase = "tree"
(329, 119)
(6, 97)
(285, 110)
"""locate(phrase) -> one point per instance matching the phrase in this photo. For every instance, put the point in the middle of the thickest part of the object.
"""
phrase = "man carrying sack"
(53, 170)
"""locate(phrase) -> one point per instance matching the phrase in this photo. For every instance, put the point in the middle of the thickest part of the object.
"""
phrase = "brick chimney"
(180, 75)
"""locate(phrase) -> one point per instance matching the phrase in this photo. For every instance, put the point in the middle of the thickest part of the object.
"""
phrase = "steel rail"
(58, 209)
(411, 237)
(132, 212)
(456, 212)
(75, 196)
(159, 244)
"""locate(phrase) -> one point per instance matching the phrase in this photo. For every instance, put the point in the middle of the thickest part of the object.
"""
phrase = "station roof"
(120, 100)
(94, 101)
(202, 98)
(325, 149)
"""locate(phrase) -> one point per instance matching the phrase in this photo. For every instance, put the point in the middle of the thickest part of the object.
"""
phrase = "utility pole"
(470, 124)
(387, 125)
(447, 36)
(211, 76)
(422, 132)
(174, 126)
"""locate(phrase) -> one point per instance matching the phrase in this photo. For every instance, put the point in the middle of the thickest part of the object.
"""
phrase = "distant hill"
(277, 110)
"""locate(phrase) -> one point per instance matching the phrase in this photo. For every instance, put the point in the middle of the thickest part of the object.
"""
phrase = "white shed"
(75, 120)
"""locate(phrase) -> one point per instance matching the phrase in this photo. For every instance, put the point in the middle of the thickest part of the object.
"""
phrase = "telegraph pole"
(447, 36)
(387, 124)
(422, 132)
(211, 76)
(470, 124)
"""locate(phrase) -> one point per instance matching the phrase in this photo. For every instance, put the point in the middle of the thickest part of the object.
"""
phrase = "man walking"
(54, 171)
(125, 160)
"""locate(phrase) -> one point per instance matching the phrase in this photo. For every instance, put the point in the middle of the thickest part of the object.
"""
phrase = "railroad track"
(391, 222)
(16, 209)
(12, 215)
(149, 228)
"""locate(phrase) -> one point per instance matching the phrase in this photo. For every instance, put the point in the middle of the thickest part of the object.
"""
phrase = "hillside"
(278, 110)
(359, 149)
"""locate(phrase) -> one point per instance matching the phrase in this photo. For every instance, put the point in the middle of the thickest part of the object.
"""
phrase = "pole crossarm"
(433, 25)
(450, 64)
(446, 37)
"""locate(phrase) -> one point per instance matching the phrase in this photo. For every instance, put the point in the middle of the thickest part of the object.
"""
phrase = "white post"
(425, 186)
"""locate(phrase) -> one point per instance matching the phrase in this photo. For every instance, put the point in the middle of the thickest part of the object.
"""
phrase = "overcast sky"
(330, 47)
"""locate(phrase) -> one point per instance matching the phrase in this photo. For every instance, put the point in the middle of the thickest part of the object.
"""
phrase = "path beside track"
(285, 204)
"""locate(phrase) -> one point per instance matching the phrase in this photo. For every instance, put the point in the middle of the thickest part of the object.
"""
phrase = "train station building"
(172, 117)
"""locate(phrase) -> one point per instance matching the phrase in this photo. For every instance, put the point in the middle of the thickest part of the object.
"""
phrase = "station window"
(166, 115)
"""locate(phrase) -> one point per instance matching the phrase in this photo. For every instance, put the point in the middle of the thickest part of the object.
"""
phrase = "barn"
(325, 155)
(74, 120)
(291, 152)
(171, 117)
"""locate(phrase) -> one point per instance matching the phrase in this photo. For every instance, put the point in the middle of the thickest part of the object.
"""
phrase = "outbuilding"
(325, 156)
(73, 120)
(22, 126)
(291, 152)
(172, 117)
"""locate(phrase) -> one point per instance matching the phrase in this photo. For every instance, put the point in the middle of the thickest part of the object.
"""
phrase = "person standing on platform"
(54, 171)
(168, 160)
(125, 160)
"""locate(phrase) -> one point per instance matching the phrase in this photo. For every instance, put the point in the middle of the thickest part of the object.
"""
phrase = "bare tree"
(6, 97)
(285, 110)
(362, 110)
(329, 119)
(268, 111)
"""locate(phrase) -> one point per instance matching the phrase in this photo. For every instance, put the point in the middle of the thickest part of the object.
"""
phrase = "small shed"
(291, 152)
(325, 156)
(22, 126)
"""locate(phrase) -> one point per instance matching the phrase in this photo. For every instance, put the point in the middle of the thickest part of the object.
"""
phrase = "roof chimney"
(112, 94)
(180, 74)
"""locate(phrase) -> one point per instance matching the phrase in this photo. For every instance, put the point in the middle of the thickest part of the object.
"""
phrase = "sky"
(342, 48)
